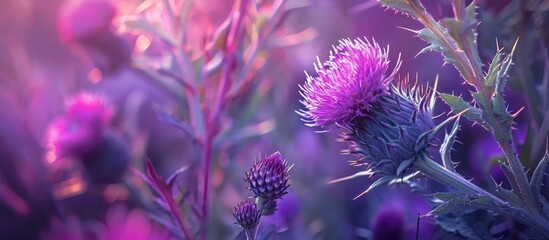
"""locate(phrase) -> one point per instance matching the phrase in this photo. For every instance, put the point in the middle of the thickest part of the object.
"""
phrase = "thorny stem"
(251, 234)
(442, 175)
(472, 75)
(520, 176)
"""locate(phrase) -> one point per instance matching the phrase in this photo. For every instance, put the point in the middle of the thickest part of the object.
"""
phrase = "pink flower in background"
(134, 224)
(346, 84)
(120, 223)
(81, 19)
(81, 128)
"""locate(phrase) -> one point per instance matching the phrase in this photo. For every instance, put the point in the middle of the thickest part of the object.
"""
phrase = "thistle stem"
(440, 174)
(520, 176)
(251, 234)
(205, 188)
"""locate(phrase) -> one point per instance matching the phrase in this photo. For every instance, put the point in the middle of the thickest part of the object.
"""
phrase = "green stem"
(440, 174)
(520, 177)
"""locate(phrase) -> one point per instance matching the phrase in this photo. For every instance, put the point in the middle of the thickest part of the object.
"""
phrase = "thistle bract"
(347, 84)
(247, 215)
(395, 133)
(268, 178)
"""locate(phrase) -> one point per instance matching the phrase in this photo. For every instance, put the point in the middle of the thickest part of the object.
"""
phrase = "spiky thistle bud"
(347, 84)
(247, 214)
(396, 132)
(268, 178)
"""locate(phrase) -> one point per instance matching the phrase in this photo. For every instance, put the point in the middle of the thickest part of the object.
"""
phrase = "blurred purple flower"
(119, 224)
(268, 178)
(80, 129)
(247, 214)
(82, 19)
(89, 23)
(389, 222)
(346, 84)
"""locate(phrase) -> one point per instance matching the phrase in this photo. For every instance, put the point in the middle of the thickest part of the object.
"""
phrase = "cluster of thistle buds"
(268, 181)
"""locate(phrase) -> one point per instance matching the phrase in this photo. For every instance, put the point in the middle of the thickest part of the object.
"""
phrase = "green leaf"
(404, 6)
(509, 196)
(447, 196)
(471, 224)
(459, 105)
(491, 76)
(465, 201)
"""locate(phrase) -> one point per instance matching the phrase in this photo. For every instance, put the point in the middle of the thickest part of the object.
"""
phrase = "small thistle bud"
(347, 84)
(247, 215)
(396, 131)
(268, 178)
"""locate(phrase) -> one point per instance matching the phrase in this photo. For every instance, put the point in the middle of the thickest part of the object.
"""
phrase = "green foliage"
(471, 224)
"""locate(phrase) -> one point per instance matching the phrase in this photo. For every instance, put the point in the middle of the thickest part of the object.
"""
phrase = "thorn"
(409, 29)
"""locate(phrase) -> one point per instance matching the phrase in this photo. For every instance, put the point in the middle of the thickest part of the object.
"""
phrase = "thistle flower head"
(347, 84)
(396, 132)
(247, 214)
(268, 178)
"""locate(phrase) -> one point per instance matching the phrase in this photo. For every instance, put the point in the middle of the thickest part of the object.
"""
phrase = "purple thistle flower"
(347, 84)
(247, 214)
(395, 133)
(268, 178)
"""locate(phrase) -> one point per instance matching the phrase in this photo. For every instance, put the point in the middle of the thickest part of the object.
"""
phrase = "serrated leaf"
(465, 201)
(447, 196)
(446, 147)
(479, 98)
(509, 196)
(403, 6)
(503, 71)
(492, 73)
(471, 224)
(459, 105)
(452, 205)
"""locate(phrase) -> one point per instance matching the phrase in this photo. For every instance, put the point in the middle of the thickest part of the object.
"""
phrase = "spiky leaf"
(459, 105)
